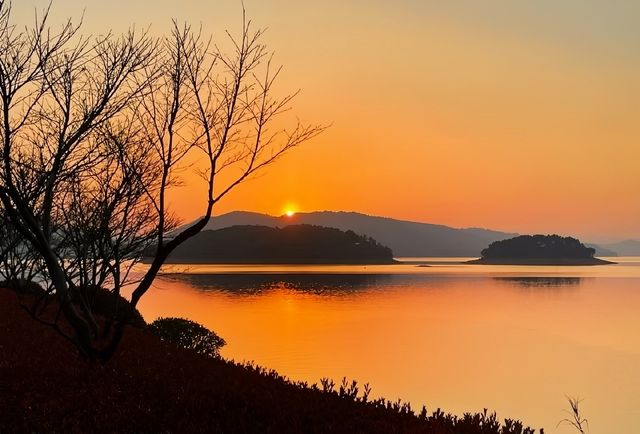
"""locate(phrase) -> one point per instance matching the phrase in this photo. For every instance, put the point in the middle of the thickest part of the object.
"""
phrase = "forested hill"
(538, 246)
(539, 250)
(295, 244)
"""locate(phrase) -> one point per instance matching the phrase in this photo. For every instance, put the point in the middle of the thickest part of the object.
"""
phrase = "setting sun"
(289, 209)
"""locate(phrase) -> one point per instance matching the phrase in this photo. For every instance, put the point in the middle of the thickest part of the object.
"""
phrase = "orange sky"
(520, 116)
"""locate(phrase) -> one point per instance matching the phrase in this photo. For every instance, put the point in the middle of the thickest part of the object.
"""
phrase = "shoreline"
(540, 261)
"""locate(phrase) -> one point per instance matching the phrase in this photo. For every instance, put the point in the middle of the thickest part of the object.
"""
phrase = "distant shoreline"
(539, 261)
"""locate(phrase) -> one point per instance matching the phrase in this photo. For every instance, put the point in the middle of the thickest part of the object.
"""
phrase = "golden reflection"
(460, 341)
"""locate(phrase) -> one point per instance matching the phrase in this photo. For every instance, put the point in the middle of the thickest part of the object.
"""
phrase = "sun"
(289, 209)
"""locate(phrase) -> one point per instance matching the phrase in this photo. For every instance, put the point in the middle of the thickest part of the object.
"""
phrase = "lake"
(514, 339)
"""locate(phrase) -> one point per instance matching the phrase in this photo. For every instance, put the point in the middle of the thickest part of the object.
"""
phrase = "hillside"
(405, 238)
(294, 244)
(625, 248)
(602, 251)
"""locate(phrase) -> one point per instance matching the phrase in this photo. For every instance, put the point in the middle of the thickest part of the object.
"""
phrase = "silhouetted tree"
(94, 133)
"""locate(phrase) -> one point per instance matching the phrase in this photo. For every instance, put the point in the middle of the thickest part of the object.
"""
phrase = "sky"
(516, 116)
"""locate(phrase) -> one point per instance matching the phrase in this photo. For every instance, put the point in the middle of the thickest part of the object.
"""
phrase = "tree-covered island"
(296, 244)
(539, 250)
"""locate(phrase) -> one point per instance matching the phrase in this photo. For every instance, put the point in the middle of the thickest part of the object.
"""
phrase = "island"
(539, 250)
(295, 244)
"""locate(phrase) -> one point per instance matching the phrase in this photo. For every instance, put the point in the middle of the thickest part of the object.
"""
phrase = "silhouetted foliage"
(24, 286)
(538, 246)
(294, 244)
(189, 335)
(18, 262)
(111, 305)
(575, 418)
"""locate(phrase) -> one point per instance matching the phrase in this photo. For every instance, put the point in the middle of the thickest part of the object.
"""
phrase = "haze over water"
(513, 339)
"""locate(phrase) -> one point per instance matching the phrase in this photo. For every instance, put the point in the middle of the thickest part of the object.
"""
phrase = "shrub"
(23, 286)
(104, 302)
(188, 334)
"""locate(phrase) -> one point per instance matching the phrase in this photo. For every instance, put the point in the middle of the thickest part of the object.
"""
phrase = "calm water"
(460, 337)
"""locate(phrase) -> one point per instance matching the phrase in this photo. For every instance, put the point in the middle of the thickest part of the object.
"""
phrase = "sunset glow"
(289, 209)
(211, 212)
(516, 116)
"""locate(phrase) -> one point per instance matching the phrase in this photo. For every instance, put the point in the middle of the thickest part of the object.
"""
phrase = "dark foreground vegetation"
(539, 250)
(296, 244)
(152, 386)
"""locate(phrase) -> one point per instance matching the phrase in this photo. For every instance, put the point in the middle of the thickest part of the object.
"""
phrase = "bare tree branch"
(96, 131)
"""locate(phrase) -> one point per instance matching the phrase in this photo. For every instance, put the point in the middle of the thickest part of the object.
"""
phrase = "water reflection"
(336, 284)
(540, 282)
(346, 284)
(253, 284)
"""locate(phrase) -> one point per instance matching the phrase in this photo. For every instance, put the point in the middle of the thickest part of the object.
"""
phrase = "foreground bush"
(189, 335)
(23, 286)
(111, 305)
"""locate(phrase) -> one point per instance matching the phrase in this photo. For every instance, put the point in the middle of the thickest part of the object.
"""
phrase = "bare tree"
(95, 132)
(18, 263)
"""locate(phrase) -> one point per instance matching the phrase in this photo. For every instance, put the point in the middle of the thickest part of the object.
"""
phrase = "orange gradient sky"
(519, 116)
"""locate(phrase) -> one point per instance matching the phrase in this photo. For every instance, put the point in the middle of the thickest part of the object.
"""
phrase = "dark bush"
(23, 286)
(104, 302)
(188, 334)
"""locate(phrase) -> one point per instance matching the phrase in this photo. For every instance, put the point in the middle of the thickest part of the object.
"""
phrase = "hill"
(539, 250)
(294, 244)
(602, 251)
(625, 248)
(405, 238)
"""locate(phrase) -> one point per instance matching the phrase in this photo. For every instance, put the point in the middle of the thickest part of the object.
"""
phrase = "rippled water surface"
(515, 339)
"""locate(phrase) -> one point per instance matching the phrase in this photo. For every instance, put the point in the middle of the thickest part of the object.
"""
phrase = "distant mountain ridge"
(624, 248)
(602, 251)
(405, 238)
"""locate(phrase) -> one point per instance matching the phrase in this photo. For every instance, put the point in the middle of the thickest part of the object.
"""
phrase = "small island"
(539, 250)
(295, 244)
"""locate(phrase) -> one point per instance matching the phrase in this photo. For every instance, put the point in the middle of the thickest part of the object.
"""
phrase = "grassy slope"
(152, 387)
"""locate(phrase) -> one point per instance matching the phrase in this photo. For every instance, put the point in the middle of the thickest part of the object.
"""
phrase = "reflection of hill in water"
(345, 284)
(321, 284)
(541, 282)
